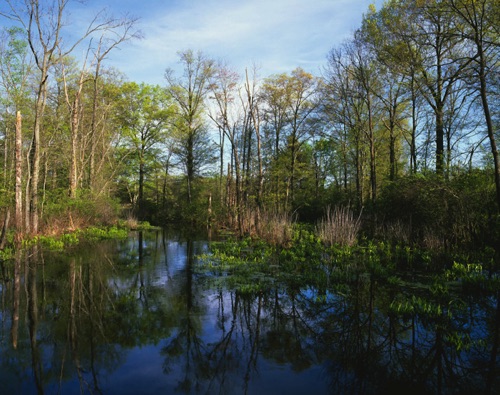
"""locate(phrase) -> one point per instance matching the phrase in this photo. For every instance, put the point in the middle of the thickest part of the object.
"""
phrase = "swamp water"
(141, 316)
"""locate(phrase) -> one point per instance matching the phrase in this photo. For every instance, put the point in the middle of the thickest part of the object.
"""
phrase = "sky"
(276, 36)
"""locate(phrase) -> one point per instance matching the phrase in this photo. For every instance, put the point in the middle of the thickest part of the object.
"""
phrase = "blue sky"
(275, 35)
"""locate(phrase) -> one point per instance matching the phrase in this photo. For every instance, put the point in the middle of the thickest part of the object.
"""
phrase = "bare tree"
(254, 113)
(230, 121)
(116, 32)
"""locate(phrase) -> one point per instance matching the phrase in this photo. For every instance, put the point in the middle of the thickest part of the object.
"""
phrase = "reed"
(274, 227)
(339, 226)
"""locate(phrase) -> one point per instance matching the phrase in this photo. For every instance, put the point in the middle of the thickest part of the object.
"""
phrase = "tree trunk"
(74, 150)
(413, 139)
(439, 140)
(221, 170)
(3, 233)
(19, 175)
(141, 186)
(93, 127)
(489, 122)
(190, 165)
(5, 160)
(371, 139)
(35, 166)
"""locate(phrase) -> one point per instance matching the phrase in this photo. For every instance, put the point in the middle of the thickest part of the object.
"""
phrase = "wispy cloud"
(277, 35)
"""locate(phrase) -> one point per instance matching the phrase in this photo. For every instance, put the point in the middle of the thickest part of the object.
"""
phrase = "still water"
(139, 316)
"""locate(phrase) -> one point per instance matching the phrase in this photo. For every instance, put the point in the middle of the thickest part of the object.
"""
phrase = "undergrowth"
(308, 260)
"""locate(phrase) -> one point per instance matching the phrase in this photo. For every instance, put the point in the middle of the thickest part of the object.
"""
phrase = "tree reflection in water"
(141, 316)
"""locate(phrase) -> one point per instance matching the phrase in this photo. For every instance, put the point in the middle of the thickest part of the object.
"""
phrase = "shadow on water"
(139, 316)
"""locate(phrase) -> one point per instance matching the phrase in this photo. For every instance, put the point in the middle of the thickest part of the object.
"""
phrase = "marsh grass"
(339, 226)
(276, 228)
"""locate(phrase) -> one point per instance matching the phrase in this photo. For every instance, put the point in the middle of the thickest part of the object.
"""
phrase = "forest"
(397, 137)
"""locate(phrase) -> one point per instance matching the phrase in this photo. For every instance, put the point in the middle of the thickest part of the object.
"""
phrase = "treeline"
(402, 123)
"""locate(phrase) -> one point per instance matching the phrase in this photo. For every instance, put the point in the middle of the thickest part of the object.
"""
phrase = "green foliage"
(64, 213)
(473, 278)
(435, 213)
(70, 239)
(305, 259)
(65, 240)
(98, 233)
(54, 243)
(6, 254)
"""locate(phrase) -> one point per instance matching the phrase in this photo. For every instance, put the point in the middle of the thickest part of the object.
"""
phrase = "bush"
(436, 213)
(62, 213)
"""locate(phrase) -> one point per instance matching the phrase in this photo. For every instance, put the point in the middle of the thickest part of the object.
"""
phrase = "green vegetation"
(411, 287)
(427, 282)
(395, 143)
(65, 240)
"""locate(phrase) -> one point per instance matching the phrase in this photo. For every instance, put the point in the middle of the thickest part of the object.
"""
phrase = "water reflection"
(137, 316)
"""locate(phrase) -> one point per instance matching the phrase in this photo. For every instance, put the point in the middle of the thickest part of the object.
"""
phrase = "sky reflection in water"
(139, 317)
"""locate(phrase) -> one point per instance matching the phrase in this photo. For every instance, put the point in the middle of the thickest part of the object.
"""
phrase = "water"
(140, 317)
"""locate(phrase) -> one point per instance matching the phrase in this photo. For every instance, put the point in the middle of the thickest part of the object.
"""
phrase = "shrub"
(62, 214)
(436, 213)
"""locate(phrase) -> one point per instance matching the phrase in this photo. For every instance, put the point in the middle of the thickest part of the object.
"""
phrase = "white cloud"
(279, 35)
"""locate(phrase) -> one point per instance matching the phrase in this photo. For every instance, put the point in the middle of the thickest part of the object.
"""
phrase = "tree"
(117, 32)
(393, 75)
(15, 69)
(342, 112)
(254, 114)
(223, 88)
(145, 113)
(44, 25)
(352, 90)
(302, 106)
(478, 21)
(367, 87)
(189, 92)
(441, 62)
(73, 101)
(289, 103)
(276, 101)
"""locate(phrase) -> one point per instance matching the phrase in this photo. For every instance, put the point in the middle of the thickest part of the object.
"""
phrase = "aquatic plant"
(99, 233)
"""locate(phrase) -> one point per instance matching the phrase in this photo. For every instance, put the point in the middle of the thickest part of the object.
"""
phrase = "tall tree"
(366, 83)
(479, 22)
(73, 97)
(394, 73)
(189, 92)
(275, 96)
(145, 113)
(441, 63)
(117, 32)
(288, 103)
(303, 103)
(226, 116)
(254, 113)
(342, 108)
